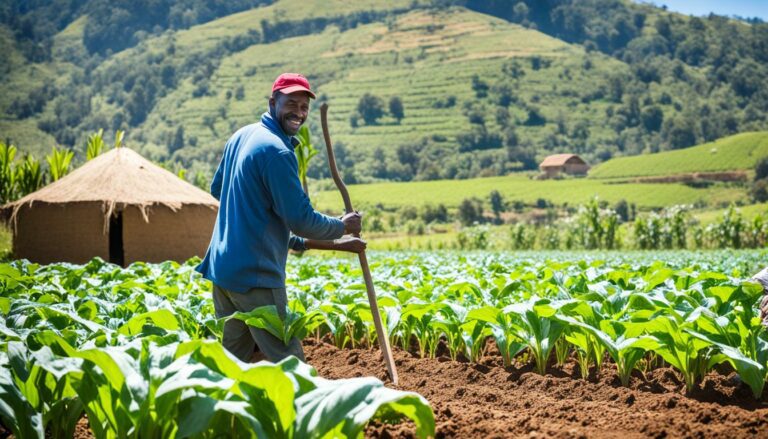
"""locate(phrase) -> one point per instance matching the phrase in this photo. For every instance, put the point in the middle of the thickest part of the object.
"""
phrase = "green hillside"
(487, 89)
(421, 57)
(521, 188)
(191, 53)
(738, 152)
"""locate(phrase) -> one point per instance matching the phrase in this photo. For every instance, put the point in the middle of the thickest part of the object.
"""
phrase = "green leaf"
(346, 406)
(162, 318)
(266, 318)
(15, 410)
(201, 413)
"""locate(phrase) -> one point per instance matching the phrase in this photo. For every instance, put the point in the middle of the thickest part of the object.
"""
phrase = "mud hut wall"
(169, 235)
(73, 232)
(551, 171)
(576, 168)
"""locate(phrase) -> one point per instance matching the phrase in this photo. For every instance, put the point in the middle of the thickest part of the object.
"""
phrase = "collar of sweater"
(271, 124)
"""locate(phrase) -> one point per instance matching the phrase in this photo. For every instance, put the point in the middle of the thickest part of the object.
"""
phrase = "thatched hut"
(118, 206)
(571, 164)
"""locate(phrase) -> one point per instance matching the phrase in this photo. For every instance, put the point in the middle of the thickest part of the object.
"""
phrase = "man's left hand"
(350, 244)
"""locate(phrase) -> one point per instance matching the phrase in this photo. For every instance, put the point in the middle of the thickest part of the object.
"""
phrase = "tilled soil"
(486, 400)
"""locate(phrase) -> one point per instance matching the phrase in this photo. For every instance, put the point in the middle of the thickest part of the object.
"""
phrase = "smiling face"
(290, 110)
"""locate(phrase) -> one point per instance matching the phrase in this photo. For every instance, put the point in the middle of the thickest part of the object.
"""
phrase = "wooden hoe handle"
(380, 333)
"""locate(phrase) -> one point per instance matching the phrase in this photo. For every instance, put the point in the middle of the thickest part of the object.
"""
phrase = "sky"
(743, 8)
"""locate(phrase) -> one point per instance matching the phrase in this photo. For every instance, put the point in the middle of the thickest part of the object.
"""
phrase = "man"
(261, 203)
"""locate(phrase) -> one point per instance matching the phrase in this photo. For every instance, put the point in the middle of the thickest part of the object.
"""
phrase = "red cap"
(288, 83)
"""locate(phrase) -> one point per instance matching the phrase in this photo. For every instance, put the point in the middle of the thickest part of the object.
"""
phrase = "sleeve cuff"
(297, 244)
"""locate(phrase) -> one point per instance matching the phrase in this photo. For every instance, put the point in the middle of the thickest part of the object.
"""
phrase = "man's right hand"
(352, 223)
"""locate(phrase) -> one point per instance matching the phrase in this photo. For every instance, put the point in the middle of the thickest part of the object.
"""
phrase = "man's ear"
(272, 101)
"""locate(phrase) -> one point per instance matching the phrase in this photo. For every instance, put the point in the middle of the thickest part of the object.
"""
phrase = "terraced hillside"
(423, 57)
(738, 152)
(198, 49)
(482, 96)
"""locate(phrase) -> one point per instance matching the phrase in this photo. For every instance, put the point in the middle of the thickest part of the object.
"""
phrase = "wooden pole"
(380, 333)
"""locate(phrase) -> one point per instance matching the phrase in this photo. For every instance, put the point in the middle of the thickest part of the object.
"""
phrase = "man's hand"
(352, 223)
(345, 244)
(349, 244)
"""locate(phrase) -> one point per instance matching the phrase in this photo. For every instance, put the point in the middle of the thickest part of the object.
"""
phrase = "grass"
(738, 152)
(519, 187)
(399, 241)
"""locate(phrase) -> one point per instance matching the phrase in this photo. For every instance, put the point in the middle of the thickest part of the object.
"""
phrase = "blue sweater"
(261, 202)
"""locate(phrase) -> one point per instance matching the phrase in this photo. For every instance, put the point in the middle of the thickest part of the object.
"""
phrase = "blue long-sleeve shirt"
(261, 202)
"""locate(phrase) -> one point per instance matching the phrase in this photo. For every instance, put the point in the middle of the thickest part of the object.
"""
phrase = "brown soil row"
(488, 400)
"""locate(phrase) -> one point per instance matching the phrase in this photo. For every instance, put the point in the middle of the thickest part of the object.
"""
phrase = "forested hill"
(417, 89)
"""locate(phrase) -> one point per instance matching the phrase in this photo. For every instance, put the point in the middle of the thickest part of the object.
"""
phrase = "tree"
(479, 86)
(379, 165)
(502, 117)
(168, 76)
(497, 204)
(680, 132)
(652, 117)
(370, 108)
(761, 169)
(513, 69)
(535, 117)
(759, 191)
(503, 94)
(178, 140)
(622, 210)
(520, 12)
(470, 211)
(396, 108)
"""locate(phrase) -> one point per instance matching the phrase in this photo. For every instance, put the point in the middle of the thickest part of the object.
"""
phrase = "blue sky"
(743, 8)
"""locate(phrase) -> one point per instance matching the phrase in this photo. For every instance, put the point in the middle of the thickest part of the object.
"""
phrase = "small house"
(118, 206)
(557, 164)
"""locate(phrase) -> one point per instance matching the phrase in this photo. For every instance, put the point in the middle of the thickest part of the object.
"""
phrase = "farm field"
(737, 152)
(641, 343)
(708, 216)
(520, 187)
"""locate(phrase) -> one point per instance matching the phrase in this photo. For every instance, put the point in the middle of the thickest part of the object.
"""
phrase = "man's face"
(291, 110)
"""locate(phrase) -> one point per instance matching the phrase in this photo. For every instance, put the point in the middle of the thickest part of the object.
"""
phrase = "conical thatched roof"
(119, 178)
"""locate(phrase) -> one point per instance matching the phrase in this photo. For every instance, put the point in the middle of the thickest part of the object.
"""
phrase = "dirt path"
(486, 400)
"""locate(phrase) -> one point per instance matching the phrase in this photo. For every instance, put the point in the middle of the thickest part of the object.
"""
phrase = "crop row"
(135, 349)
(637, 315)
